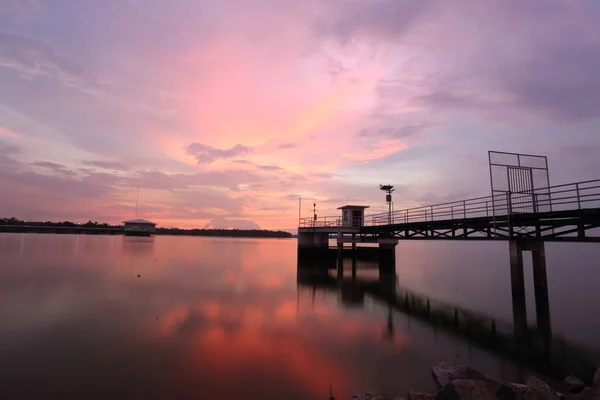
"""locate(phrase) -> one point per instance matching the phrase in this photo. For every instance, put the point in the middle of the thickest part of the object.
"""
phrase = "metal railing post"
(508, 213)
(432, 213)
(578, 197)
(465, 209)
(451, 212)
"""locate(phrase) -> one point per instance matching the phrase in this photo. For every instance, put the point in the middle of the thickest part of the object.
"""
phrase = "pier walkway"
(568, 212)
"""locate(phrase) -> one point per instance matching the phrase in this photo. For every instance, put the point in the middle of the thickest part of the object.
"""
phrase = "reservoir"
(100, 317)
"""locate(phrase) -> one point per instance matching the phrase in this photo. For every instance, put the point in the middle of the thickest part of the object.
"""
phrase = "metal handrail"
(576, 194)
(580, 195)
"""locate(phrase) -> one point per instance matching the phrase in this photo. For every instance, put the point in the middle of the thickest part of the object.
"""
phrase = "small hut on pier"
(353, 216)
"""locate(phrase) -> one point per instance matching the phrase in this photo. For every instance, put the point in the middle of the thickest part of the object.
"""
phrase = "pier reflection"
(532, 347)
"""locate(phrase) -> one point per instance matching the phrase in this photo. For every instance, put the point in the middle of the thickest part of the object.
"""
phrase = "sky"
(226, 112)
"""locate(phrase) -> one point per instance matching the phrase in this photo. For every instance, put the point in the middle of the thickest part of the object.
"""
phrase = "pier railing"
(572, 196)
(321, 222)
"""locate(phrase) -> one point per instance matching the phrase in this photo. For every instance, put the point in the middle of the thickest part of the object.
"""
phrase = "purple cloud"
(205, 154)
(270, 167)
(112, 165)
(396, 132)
(54, 167)
(32, 58)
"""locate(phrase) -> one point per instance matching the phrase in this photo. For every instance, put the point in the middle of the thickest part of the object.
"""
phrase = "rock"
(596, 384)
(586, 394)
(575, 384)
(420, 396)
(366, 396)
(512, 391)
(444, 373)
(463, 389)
(539, 390)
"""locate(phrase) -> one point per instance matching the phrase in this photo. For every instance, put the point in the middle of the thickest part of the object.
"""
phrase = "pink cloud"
(7, 132)
(220, 110)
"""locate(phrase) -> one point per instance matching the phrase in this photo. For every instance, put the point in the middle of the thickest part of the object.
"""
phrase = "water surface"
(99, 317)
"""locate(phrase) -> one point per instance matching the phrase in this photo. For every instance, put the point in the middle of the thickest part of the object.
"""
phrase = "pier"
(522, 209)
(519, 210)
(534, 347)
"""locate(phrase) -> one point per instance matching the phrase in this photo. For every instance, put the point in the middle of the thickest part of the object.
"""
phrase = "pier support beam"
(540, 285)
(387, 256)
(313, 249)
(354, 256)
(517, 280)
(340, 255)
(316, 240)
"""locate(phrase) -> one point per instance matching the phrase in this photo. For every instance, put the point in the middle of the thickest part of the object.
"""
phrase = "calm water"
(227, 318)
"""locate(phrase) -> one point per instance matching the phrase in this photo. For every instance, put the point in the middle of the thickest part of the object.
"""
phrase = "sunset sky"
(225, 112)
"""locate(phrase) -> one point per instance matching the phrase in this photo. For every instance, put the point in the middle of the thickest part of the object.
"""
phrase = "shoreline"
(113, 231)
(461, 382)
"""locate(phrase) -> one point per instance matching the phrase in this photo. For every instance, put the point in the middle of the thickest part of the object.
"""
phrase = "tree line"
(224, 232)
(259, 233)
(64, 224)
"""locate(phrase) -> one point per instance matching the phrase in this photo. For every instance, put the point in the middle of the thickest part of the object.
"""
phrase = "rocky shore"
(458, 382)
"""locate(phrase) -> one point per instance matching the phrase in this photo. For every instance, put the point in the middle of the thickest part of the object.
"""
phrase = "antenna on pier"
(389, 189)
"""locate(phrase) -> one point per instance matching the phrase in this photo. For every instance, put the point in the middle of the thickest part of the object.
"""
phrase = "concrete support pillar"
(540, 285)
(518, 288)
(313, 249)
(316, 240)
(354, 256)
(387, 257)
(340, 255)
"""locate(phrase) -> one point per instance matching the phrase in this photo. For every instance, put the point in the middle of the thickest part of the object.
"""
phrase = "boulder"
(366, 396)
(596, 384)
(586, 394)
(463, 389)
(512, 391)
(420, 396)
(539, 390)
(575, 384)
(444, 373)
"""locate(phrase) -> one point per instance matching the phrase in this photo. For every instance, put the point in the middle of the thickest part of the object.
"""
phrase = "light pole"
(388, 189)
